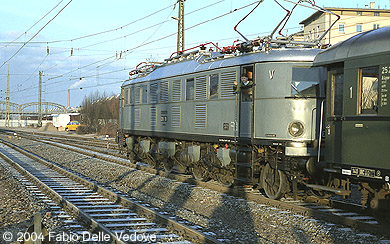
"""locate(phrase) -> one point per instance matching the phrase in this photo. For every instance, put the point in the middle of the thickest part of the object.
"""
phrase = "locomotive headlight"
(296, 128)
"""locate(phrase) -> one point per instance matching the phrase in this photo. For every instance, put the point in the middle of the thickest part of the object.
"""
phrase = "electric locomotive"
(311, 121)
(357, 124)
(183, 113)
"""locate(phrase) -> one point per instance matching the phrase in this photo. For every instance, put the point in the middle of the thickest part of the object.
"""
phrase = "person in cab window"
(245, 87)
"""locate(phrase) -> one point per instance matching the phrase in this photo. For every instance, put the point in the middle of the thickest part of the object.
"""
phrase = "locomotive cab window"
(369, 90)
(305, 81)
(213, 94)
(246, 83)
(190, 89)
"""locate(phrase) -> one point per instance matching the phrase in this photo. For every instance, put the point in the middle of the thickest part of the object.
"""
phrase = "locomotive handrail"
(320, 130)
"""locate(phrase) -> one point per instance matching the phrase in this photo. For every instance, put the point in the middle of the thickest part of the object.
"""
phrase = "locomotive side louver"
(227, 81)
(201, 116)
(153, 116)
(175, 116)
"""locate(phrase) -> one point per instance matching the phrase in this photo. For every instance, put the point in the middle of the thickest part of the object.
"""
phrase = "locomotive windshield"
(305, 81)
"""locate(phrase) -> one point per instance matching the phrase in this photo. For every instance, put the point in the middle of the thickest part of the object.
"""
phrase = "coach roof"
(368, 43)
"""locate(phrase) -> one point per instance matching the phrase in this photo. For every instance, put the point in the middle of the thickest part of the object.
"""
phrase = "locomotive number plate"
(369, 173)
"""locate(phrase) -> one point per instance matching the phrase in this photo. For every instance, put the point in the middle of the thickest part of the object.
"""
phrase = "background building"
(352, 21)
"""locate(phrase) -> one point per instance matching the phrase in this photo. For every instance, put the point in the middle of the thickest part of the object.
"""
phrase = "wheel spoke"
(273, 182)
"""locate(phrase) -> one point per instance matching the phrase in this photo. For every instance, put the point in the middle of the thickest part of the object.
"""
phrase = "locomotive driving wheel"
(274, 182)
(226, 177)
(200, 172)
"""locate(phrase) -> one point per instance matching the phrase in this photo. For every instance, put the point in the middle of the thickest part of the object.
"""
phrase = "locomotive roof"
(367, 43)
(207, 62)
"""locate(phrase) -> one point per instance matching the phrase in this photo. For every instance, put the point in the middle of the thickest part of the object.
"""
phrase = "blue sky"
(97, 59)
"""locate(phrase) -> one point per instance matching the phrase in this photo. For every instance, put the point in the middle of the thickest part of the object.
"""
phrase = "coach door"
(245, 103)
(333, 129)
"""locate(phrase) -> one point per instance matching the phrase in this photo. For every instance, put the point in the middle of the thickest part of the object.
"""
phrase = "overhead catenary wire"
(91, 76)
(35, 34)
(120, 70)
(136, 32)
(9, 43)
(149, 27)
(114, 29)
(63, 76)
(128, 51)
(119, 81)
(102, 32)
(34, 72)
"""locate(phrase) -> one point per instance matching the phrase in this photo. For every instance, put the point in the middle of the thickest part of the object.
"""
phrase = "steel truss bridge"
(13, 111)
(32, 108)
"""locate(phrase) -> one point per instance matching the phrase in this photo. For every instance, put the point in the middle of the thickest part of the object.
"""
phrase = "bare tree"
(100, 113)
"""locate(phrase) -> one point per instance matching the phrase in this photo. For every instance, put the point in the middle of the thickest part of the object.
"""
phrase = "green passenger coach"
(357, 126)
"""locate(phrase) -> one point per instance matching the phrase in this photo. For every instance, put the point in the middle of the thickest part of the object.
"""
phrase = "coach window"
(337, 93)
(190, 89)
(214, 86)
(144, 94)
(369, 90)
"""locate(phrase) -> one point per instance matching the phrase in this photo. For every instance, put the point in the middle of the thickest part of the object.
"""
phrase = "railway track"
(107, 215)
(79, 140)
(338, 212)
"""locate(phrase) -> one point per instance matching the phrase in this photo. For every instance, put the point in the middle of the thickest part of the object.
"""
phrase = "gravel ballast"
(18, 207)
(227, 218)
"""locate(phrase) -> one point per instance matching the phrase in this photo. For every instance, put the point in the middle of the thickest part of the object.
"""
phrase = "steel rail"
(189, 233)
(240, 192)
(65, 204)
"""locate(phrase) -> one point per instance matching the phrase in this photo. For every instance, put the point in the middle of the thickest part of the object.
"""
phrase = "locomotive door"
(245, 103)
(334, 123)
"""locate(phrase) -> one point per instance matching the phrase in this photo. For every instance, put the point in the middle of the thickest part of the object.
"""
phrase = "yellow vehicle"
(72, 125)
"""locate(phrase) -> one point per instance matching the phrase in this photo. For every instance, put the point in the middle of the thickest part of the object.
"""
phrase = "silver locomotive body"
(186, 110)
